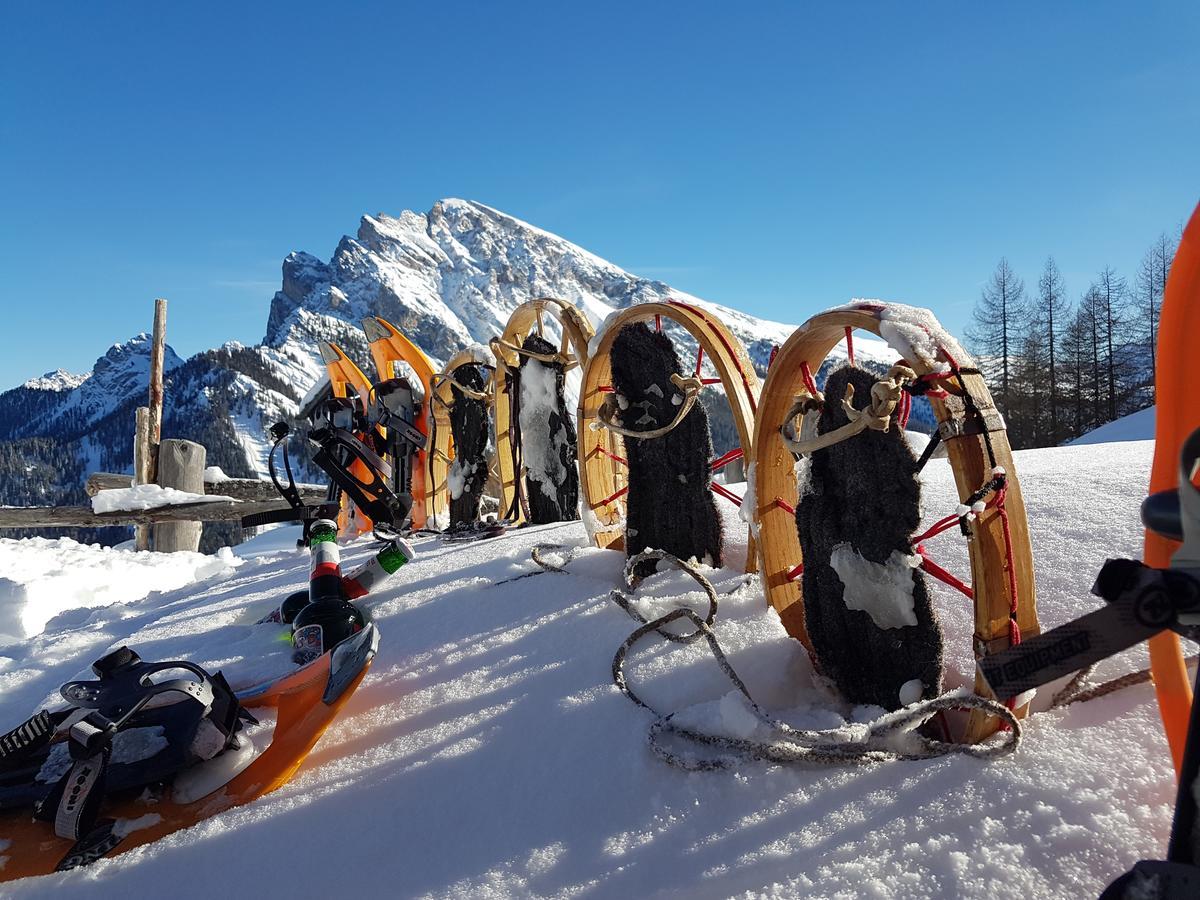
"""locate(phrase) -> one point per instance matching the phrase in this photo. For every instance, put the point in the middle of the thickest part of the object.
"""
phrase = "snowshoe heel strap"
(76, 798)
(120, 659)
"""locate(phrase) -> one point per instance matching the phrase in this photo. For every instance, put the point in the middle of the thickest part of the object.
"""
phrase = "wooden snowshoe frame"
(346, 379)
(441, 455)
(775, 480)
(527, 319)
(388, 345)
(602, 477)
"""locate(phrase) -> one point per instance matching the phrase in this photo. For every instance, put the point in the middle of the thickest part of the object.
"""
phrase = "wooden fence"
(169, 463)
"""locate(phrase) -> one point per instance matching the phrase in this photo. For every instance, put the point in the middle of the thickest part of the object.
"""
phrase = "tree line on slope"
(1058, 369)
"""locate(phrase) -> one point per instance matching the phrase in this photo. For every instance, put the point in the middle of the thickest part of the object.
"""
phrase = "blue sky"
(779, 159)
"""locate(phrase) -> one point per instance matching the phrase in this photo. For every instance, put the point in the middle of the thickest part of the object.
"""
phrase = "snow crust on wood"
(482, 355)
(916, 334)
(321, 384)
(149, 496)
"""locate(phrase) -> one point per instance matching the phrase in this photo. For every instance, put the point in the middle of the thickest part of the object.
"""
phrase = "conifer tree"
(1073, 351)
(1049, 319)
(1149, 287)
(997, 324)
(1110, 294)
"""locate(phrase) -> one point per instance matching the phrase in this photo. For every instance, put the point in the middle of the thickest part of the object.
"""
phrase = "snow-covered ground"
(41, 579)
(489, 755)
(1138, 426)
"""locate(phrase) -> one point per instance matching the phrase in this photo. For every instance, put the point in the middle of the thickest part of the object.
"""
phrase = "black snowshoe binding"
(467, 532)
(341, 438)
(298, 510)
(855, 517)
(396, 407)
(469, 429)
(544, 446)
(123, 733)
(670, 504)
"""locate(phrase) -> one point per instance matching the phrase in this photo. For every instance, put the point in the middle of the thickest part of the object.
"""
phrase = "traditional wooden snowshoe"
(606, 456)
(989, 508)
(459, 466)
(866, 605)
(538, 472)
(670, 504)
(547, 434)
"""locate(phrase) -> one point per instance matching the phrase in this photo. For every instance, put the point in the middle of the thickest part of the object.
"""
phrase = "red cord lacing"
(722, 461)
(809, 383)
(723, 491)
(622, 460)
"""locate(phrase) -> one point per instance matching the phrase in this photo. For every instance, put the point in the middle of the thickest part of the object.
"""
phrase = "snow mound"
(1138, 426)
(41, 579)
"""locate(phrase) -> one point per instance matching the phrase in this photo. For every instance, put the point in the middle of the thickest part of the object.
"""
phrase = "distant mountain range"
(448, 278)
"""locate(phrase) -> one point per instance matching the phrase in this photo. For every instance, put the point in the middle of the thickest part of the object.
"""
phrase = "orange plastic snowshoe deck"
(388, 346)
(29, 847)
(1177, 415)
(347, 380)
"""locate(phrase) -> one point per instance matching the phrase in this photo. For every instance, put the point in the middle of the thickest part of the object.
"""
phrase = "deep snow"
(488, 754)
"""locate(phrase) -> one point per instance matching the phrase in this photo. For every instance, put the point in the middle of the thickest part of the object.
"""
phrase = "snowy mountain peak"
(58, 380)
(121, 373)
(452, 276)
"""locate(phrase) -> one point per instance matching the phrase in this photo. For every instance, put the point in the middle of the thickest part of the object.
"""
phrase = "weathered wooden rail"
(251, 496)
(250, 489)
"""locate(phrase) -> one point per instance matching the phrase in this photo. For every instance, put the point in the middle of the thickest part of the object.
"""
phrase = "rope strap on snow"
(543, 564)
(892, 736)
(1075, 692)
(689, 387)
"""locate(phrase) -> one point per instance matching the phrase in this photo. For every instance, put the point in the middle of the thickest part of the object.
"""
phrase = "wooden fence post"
(180, 466)
(141, 467)
(157, 347)
(148, 427)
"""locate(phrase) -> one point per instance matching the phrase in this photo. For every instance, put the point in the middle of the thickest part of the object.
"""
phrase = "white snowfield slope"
(489, 755)
(1138, 426)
